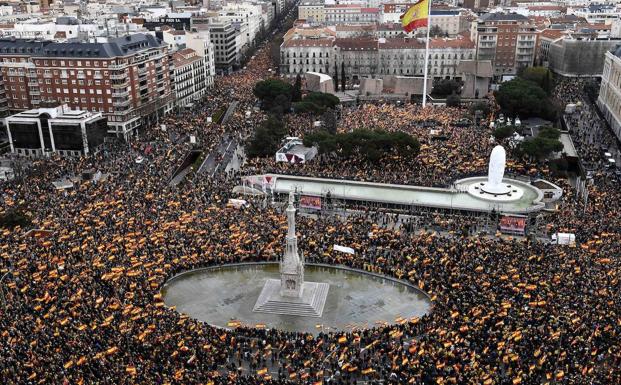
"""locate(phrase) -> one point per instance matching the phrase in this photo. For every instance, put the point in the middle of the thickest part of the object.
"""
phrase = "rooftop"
(357, 44)
(308, 43)
(121, 46)
(503, 17)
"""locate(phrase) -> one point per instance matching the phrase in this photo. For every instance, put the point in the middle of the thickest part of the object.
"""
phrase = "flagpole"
(427, 54)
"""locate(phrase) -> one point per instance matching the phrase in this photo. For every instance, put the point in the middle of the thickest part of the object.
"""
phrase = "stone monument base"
(310, 304)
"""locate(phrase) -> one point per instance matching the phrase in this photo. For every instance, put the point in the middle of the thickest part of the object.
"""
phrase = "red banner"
(310, 202)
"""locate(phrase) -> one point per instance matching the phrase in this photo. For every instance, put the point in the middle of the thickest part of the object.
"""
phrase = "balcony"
(121, 103)
(120, 94)
(117, 66)
(120, 76)
(47, 75)
(142, 70)
(34, 92)
(33, 84)
(35, 101)
(122, 84)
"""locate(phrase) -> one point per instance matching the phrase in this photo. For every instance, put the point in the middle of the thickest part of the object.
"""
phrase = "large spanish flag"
(416, 16)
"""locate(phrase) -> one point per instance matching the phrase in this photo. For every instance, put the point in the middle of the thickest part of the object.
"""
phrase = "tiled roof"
(401, 43)
(451, 43)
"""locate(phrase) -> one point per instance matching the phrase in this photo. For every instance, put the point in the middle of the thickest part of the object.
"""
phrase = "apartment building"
(609, 100)
(508, 40)
(350, 13)
(597, 13)
(188, 77)
(451, 21)
(312, 12)
(224, 38)
(126, 78)
(201, 43)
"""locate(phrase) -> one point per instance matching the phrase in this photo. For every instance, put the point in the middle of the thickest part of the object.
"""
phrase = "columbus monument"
(290, 295)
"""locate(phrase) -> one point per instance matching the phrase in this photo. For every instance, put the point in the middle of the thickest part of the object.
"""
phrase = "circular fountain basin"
(224, 296)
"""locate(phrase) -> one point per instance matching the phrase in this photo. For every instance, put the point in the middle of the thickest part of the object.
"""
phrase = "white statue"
(496, 171)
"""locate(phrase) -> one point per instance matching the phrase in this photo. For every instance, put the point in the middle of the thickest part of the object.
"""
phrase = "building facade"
(224, 37)
(312, 12)
(373, 57)
(41, 132)
(507, 40)
(189, 81)
(126, 79)
(350, 13)
(579, 56)
(609, 100)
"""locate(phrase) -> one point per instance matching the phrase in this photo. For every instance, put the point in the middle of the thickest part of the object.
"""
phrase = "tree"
(436, 31)
(336, 78)
(525, 99)
(329, 120)
(266, 138)
(453, 100)
(296, 93)
(545, 143)
(503, 132)
(323, 99)
(343, 76)
(372, 145)
(316, 102)
(267, 91)
(539, 75)
(445, 87)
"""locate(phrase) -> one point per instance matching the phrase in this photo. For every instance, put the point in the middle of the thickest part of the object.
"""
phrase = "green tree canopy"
(544, 144)
(372, 144)
(266, 138)
(525, 99)
(539, 75)
(268, 90)
(503, 132)
(446, 87)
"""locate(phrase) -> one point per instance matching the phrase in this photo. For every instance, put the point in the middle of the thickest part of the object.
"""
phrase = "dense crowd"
(448, 152)
(82, 304)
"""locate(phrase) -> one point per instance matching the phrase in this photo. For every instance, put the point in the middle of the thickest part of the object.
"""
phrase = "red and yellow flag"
(416, 16)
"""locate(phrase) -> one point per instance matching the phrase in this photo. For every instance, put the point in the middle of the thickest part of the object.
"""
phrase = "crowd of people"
(448, 151)
(82, 302)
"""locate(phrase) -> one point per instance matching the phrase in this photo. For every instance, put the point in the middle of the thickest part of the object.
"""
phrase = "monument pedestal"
(309, 304)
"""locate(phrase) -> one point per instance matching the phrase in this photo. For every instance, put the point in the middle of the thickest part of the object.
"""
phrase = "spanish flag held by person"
(416, 16)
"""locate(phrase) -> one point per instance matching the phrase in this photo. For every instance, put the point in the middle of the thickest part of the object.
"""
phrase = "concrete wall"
(370, 86)
(579, 57)
(469, 90)
(407, 85)
(319, 83)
